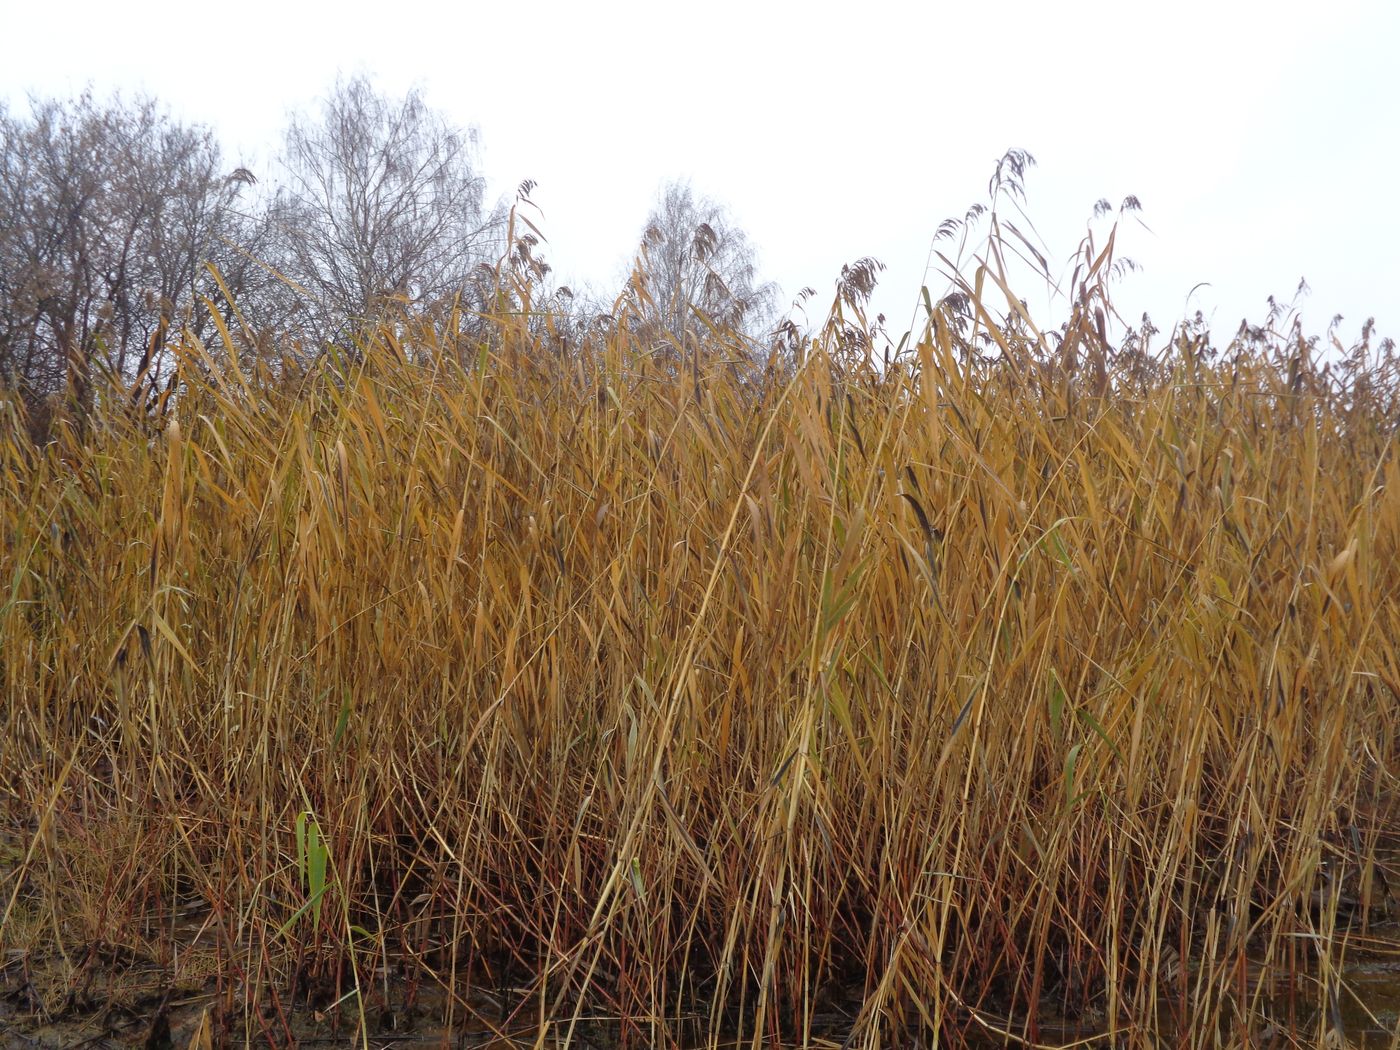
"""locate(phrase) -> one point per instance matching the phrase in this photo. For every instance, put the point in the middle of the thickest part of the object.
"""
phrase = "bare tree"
(108, 212)
(695, 261)
(381, 201)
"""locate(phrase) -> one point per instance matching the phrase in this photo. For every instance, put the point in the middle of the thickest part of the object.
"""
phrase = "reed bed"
(1000, 689)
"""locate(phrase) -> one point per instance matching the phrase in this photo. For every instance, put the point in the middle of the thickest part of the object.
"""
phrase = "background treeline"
(125, 232)
(122, 227)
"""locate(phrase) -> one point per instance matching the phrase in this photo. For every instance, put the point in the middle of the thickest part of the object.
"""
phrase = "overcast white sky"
(1263, 139)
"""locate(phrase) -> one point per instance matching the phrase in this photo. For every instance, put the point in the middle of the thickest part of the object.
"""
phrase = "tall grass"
(958, 694)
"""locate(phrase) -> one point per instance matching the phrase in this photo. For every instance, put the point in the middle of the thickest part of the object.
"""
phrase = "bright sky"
(1260, 137)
